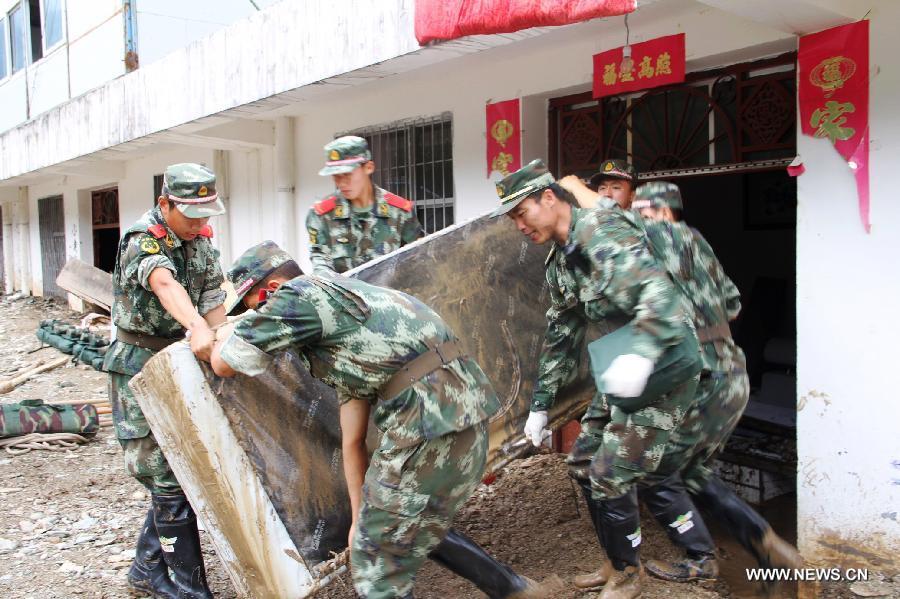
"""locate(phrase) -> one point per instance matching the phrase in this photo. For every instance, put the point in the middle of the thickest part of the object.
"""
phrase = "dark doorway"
(105, 223)
(51, 222)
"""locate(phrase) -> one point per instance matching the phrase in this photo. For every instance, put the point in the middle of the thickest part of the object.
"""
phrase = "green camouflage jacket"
(145, 246)
(341, 238)
(612, 278)
(355, 336)
(713, 298)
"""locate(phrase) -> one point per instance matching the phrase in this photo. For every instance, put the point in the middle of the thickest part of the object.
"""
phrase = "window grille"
(157, 188)
(414, 159)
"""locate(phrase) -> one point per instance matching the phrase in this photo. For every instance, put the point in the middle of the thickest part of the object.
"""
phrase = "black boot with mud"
(180, 541)
(596, 579)
(621, 525)
(672, 507)
(149, 574)
(464, 557)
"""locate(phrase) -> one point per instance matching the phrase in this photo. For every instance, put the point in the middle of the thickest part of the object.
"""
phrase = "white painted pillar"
(9, 264)
(22, 243)
(222, 224)
(285, 230)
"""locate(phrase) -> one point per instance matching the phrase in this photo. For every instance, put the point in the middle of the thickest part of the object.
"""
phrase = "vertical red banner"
(833, 72)
(504, 137)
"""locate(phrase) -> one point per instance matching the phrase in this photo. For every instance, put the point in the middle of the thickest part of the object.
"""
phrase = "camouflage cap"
(253, 266)
(517, 186)
(345, 154)
(657, 194)
(614, 169)
(193, 189)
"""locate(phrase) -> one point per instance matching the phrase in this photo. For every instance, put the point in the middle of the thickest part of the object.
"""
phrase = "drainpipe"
(8, 245)
(285, 231)
(22, 241)
(222, 225)
(129, 14)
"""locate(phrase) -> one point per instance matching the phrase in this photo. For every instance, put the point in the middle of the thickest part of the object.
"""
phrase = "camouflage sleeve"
(319, 252)
(212, 295)
(560, 355)
(141, 256)
(288, 319)
(410, 229)
(730, 293)
(627, 274)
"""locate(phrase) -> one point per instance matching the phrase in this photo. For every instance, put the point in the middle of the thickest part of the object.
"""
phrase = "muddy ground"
(69, 518)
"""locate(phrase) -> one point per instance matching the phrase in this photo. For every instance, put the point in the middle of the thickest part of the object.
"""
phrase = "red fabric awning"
(450, 19)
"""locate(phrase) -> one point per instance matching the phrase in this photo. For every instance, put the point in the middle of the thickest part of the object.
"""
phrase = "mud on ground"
(70, 518)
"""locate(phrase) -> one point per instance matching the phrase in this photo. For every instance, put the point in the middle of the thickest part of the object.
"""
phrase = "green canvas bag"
(677, 365)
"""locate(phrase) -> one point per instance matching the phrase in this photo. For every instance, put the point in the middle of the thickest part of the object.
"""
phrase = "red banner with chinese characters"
(504, 137)
(833, 69)
(653, 63)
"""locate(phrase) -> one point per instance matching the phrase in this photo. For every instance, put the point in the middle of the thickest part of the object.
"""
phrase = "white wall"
(848, 283)
(96, 44)
(48, 81)
(166, 25)
(13, 101)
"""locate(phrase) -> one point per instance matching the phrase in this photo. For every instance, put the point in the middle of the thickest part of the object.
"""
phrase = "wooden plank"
(87, 282)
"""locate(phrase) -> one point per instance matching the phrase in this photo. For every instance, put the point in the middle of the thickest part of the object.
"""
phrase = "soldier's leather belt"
(420, 366)
(145, 341)
(719, 331)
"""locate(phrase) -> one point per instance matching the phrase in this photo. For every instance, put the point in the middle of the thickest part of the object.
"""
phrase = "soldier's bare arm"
(177, 302)
(354, 424)
(583, 194)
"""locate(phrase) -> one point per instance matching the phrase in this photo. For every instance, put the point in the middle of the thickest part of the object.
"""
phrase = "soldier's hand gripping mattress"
(260, 458)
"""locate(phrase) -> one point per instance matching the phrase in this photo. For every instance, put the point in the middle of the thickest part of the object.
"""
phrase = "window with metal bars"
(157, 187)
(414, 159)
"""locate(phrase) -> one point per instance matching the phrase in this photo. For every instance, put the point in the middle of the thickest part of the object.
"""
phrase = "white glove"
(627, 375)
(534, 427)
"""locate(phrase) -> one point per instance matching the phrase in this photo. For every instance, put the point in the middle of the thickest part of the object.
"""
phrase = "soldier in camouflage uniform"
(359, 221)
(384, 350)
(167, 280)
(601, 269)
(613, 186)
(722, 395)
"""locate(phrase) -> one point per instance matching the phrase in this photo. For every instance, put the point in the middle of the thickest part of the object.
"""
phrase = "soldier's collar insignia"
(382, 209)
(334, 155)
(170, 240)
(339, 212)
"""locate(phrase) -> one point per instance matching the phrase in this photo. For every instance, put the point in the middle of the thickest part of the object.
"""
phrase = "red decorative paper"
(655, 62)
(504, 137)
(450, 19)
(833, 72)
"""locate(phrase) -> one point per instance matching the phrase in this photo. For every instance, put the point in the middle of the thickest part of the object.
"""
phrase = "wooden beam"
(87, 282)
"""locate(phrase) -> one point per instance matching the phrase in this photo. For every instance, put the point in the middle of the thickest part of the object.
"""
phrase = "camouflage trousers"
(144, 460)
(410, 497)
(616, 449)
(721, 399)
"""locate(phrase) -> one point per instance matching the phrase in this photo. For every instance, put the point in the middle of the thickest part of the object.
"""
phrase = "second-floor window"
(53, 29)
(17, 38)
(4, 55)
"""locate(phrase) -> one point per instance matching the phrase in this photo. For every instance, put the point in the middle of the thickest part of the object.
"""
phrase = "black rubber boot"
(621, 523)
(149, 574)
(464, 557)
(749, 528)
(599, 577)
(176, 525)
(672, 507)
